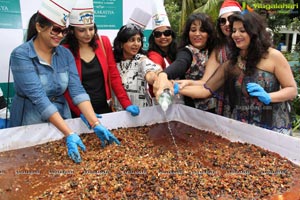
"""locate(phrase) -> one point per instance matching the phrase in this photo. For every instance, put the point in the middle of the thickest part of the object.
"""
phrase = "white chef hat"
(57, 11)
(159, 14)
(139, 17)
(82, 13)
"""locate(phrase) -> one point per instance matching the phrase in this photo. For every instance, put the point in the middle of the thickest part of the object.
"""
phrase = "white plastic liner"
(286, 146)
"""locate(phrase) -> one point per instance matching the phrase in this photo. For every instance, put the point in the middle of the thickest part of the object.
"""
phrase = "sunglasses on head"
(223, 20)
(131, 26)
(158, 34)
(56, 30)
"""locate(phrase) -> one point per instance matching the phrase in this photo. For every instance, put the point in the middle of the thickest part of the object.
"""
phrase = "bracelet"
(95, 124)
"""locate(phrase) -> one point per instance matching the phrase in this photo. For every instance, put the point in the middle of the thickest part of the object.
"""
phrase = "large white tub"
(286, 146)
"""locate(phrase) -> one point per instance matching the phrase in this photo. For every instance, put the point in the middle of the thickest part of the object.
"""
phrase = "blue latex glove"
(86, 121)
(256, 90)
(133, 109)
(176, 88)
(105, 135)
(4, 123)
(73, 141)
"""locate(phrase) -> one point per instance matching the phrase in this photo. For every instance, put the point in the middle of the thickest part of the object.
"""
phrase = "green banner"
(10, 14)
(108, 14)
(8, 92)
(146, 39)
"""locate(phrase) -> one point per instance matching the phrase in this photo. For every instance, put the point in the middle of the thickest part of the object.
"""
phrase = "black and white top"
(133, 79)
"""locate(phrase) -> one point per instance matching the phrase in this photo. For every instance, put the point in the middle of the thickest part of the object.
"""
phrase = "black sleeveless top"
(93, 83)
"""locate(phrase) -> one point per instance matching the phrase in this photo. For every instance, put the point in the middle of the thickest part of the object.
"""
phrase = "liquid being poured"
(171, 133)
(165, 100)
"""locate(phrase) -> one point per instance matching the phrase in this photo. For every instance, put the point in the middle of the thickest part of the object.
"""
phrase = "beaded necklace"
(124, 65)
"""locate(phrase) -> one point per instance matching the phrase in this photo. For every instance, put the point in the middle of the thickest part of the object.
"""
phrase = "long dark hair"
(124, 34)
(36, 18)
(172, 49)
(207, 26)
(260, 40)
(73, 43)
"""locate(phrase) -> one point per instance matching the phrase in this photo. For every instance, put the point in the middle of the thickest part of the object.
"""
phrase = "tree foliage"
(211, 8)
(179, 10)
(173, 10)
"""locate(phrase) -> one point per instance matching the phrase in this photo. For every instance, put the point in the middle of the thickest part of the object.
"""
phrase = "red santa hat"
(230, 6)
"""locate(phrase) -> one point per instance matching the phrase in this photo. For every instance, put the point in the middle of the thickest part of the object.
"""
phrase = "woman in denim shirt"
(43, 70)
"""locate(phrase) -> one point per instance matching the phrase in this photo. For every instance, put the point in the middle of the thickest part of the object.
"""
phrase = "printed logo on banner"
(10, 14)
(108, 14)
(147, 34)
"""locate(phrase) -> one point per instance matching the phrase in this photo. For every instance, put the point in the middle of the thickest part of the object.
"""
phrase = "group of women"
(239, 76)
(49, 79)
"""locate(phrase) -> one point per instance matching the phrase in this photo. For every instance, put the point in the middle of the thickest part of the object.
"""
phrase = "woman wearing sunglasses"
(95, 62)
(197, 43)
(162, 41)
(43, 70)
(136, 69)
(162, 46)
(221, 52)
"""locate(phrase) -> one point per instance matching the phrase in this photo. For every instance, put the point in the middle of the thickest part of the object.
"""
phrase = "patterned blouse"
(133, 79)
(195, 72)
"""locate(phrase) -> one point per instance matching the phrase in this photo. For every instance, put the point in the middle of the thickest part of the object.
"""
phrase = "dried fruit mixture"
(149, 164)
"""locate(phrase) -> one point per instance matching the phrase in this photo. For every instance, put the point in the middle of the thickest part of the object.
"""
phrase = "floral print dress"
(274, 116)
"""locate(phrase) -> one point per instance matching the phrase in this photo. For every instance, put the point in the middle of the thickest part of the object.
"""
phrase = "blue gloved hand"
(105, 135)
(176, 88)
(86, 121)
(4, 123)
(256, 90)
(73, 141)
(133, 109)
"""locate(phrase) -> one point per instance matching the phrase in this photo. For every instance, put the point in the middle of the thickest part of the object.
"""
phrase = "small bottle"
(165, 99)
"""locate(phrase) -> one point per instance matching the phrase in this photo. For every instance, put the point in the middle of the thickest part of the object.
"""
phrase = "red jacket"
(109, 69)
(158, 59)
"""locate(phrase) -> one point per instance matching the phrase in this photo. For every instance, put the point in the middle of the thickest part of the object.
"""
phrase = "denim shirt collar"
(32, 52)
